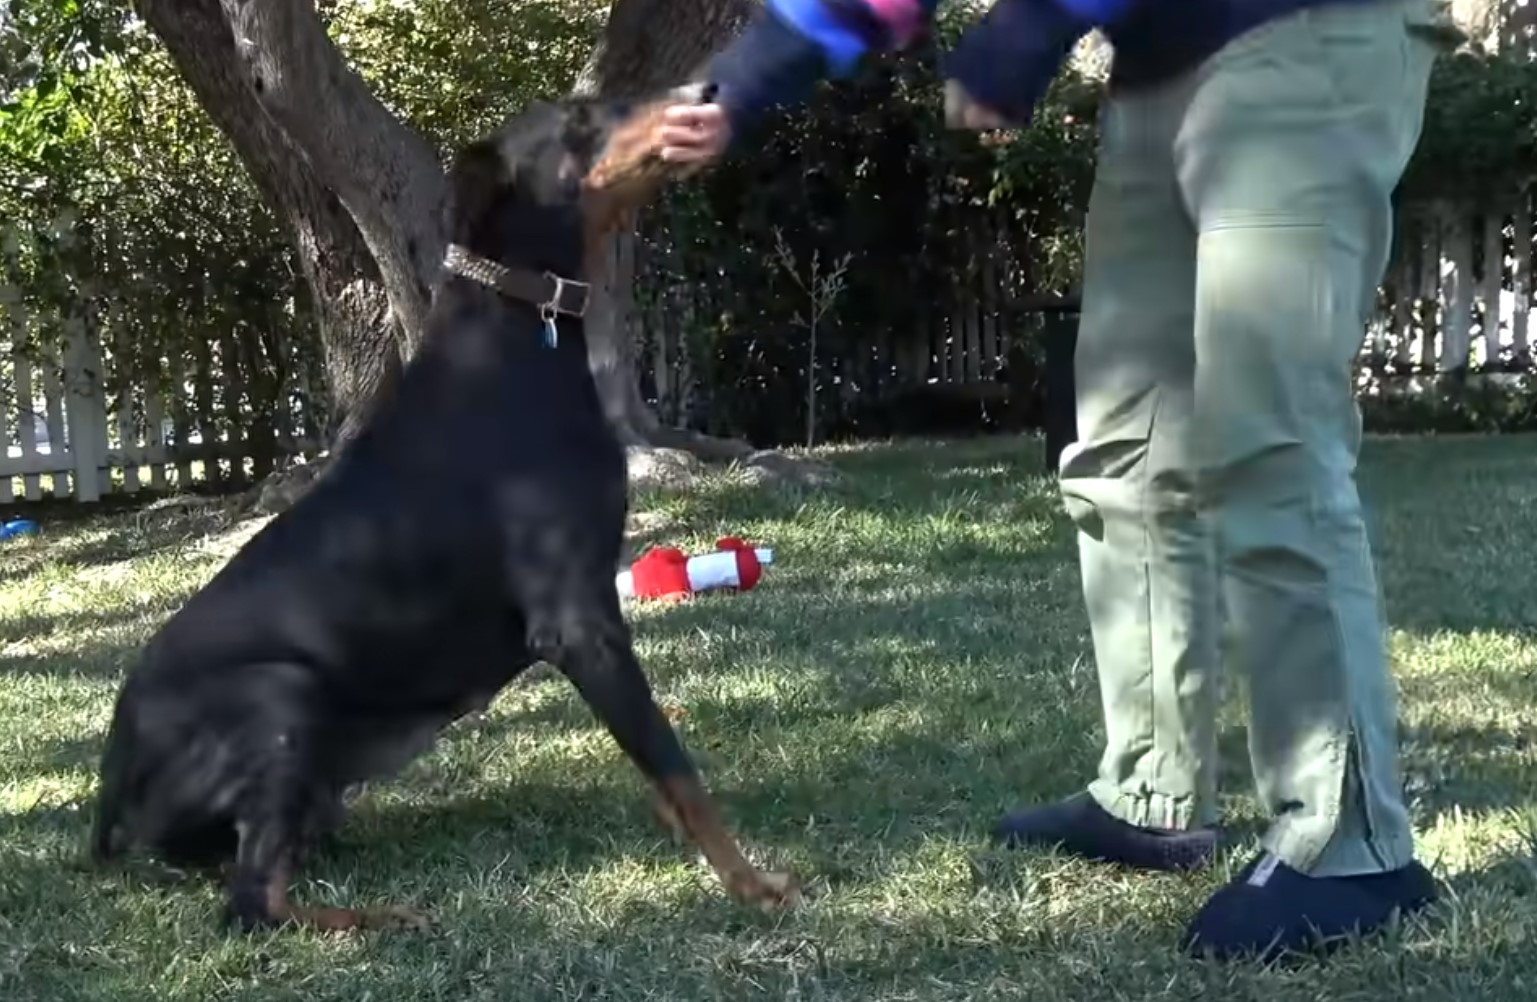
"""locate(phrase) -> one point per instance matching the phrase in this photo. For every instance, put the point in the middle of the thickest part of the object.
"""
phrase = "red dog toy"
(666, 573)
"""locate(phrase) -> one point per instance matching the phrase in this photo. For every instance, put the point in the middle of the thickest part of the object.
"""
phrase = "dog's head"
(545, 186)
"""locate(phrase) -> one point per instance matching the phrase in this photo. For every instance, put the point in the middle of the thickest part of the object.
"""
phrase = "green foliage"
(1480, 132)
(130, 209)
(868, 170)
(110, 174)
(452, 69)
(47, 48)
(1464, 403)
(113, 178)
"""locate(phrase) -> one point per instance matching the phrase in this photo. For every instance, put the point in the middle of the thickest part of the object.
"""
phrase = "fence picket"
(180, 426)
(15, 316)
(53, 403)
(154, 433)
(230, 392)
(1456, 291)
(1490, 321)
(127, 439)
(85, 410)
(26, 428)
(1524, 256)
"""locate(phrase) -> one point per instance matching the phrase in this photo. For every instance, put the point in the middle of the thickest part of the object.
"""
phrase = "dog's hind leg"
(277, 813)
(269, 834)
(600, 662)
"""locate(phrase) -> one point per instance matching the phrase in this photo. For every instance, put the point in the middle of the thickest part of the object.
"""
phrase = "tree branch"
(649, 45)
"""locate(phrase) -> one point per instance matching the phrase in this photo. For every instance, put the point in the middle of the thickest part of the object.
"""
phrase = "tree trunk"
(362, 193)
(357, 330)
(386, 175)
(646, 46)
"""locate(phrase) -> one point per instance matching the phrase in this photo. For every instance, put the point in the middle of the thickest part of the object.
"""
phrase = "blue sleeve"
(789, 45)
(1005, 61)
(1095, 12)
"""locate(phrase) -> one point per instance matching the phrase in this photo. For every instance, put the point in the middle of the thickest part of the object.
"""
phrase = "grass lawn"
(915, 662)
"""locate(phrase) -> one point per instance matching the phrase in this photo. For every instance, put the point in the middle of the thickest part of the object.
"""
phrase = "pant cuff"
(1151, 810)
(1320, 853)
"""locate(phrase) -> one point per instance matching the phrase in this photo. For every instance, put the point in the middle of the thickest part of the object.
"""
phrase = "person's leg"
(1146, 555)
(1294, 139)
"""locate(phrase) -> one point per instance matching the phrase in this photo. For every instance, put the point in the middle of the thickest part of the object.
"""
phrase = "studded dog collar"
(553, 295)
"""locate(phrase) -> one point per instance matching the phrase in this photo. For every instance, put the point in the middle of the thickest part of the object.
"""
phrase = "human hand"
(693, 133)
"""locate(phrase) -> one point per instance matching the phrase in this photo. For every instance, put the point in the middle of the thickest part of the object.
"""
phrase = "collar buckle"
(570, 297)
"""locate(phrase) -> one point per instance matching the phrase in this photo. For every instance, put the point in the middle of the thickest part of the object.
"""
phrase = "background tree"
(361, 191)
(259, 261)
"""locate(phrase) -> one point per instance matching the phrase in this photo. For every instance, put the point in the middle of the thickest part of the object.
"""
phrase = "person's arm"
(790, 45)
(1005, 62)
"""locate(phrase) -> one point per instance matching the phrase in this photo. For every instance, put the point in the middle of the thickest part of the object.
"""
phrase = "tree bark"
(358, 333)
(651, 44)
(647, 45)
(385, 173)
(362, 194)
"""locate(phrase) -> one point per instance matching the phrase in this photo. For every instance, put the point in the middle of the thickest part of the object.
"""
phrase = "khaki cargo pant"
(1237, 230)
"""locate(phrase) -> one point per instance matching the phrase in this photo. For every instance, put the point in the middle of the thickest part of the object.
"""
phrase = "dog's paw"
(769, 890)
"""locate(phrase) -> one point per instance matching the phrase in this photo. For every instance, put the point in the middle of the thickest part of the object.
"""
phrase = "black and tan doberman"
(470, 530)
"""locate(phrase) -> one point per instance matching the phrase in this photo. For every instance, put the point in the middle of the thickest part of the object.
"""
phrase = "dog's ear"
(478, 174)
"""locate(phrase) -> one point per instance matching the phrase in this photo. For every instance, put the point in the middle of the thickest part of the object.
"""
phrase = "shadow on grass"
(1454, 547)
(65, 511)
(66, 754)
(863, 729)
(482, 860)
(1454, 763)
(904, 479)
(26, 625)
(89, 663)
(142, 533)
(51, 904)
(529, 825)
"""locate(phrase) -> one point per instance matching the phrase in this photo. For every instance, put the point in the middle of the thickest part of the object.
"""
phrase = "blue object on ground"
(17, 527)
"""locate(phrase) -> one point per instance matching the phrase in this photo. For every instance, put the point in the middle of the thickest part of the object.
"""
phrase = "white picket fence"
(1460, 291)
(65, 435)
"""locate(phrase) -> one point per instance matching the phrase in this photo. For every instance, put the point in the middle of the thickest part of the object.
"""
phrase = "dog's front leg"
(602, 666)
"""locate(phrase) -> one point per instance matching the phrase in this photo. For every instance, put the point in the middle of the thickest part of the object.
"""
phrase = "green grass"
(915, 662)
